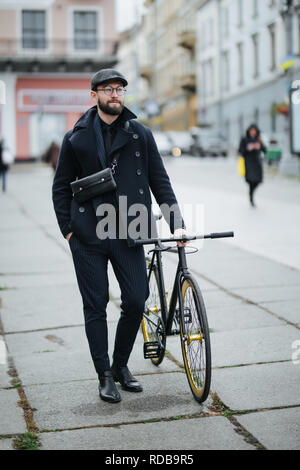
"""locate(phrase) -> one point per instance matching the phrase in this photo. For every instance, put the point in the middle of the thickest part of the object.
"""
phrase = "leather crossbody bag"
(101, 182)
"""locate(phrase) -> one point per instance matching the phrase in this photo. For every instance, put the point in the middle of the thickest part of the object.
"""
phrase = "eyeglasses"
(108, 90)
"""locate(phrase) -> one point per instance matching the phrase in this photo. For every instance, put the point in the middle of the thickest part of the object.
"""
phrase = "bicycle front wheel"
(152, 324)
(195, 343)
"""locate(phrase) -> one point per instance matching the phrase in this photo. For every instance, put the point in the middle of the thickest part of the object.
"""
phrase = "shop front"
(46, 108)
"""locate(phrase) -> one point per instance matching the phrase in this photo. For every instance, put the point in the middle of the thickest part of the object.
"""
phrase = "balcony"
(146, 71)
(187, 40)
(56, 55)
(187, 81)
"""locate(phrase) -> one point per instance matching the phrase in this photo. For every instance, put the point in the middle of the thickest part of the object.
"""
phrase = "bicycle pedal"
(152, 350)
(187, 315)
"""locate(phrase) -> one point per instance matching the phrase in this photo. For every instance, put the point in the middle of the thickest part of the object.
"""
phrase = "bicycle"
(183, 315)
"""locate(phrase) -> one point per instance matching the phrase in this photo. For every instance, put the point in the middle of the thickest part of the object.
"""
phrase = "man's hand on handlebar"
(179, 233)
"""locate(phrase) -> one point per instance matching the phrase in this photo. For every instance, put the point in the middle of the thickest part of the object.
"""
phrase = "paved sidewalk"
(47, 382)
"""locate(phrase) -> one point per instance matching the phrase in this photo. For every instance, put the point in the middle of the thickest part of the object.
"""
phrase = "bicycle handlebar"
(184, 239)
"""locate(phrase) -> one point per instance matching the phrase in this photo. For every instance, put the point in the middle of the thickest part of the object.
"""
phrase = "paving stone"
(251, 346)
(40, 255)
(258, 386)
(275, 429)
(239, 317)
(245, 346)
(6, 444)
(288, 309)
(247, 272)
(63, 355)
(267, 294)
(199, 434)
(11, 415)
(218, 298)
(46, 307)
(37, 280)
(78, 404)
(4, 377)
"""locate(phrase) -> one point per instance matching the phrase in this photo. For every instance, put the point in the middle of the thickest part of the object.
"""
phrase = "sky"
(126, 12)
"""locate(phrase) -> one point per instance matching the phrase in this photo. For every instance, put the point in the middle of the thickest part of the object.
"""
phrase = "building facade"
(168, 62)
(241, 46)
(130, 53)
(48, 51)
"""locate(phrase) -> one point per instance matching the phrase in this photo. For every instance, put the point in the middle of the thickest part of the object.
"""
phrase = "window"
(241, 125)
(226, 71)
(225, 22)
(240, 13)
(211, 31)
(255, 55)
(255, 9)
(34, 29)
(256, 116)
(211, 77)
(85, 30)
(273, 46)
(240, 51)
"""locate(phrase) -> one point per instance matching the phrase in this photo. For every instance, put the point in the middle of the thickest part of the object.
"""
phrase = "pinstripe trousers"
(129, 265)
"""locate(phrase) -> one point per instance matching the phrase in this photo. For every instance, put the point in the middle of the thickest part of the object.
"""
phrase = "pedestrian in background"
(5, 160)
(251, 147)
(51, 154)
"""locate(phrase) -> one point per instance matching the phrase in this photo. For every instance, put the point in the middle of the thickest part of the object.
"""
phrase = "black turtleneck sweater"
(109, 132)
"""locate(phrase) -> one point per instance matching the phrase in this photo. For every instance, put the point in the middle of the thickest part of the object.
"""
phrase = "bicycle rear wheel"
(195, 344)
(152, 324)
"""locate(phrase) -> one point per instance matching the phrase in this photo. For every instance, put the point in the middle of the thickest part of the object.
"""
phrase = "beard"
(105, 108)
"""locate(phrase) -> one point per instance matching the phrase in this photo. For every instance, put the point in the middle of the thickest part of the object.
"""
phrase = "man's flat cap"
(106, 75)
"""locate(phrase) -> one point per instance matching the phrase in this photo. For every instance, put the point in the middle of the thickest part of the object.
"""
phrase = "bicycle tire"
(195, 346)
(152, 323)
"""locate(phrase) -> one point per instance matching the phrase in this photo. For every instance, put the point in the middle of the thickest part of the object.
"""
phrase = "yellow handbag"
(241, 166)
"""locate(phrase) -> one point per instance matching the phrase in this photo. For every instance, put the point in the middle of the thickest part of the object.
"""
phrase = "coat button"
(135, 136)
(81, 209)
(137, 154)
(141, 191)
(139, 172)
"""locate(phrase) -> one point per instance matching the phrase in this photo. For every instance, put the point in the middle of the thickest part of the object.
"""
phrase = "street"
(251, 288)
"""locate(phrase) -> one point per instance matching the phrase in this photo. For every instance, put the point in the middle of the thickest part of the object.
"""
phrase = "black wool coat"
(140, 169)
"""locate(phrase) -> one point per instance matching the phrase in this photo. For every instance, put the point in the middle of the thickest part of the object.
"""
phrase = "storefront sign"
(53, 100)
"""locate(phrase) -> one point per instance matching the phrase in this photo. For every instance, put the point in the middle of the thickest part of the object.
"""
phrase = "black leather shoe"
(126, 379)
(107, 388)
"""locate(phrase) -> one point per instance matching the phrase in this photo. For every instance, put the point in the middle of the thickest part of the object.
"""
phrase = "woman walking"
(250, 148)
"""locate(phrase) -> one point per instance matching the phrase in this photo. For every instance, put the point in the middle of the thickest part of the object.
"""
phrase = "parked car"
(182, 141)
(208, 143)
(164, 144)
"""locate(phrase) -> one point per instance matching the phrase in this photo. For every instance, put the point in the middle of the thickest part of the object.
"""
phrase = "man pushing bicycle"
(105, 157)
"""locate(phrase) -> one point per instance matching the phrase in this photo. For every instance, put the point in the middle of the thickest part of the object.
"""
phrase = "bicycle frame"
(168, 313)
